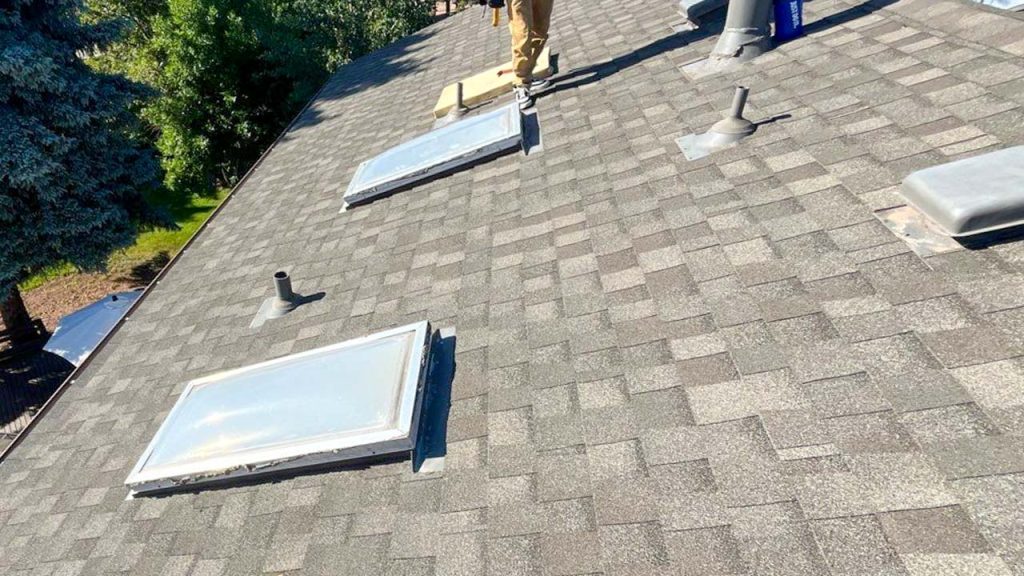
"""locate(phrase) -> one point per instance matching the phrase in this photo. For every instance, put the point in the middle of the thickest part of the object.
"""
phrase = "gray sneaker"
(523, 96)
(538, 84)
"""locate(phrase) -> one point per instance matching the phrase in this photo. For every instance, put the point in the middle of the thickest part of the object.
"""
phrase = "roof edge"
(78, 371)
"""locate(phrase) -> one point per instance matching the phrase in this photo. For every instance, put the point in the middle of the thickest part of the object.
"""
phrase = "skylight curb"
(399, 435)
(360, 189)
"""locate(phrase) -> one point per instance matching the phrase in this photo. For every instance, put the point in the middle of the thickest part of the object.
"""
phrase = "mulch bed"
(65, 295)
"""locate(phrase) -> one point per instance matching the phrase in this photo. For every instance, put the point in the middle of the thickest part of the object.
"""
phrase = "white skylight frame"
(1012, 5)
(508, 134)
(401, 437)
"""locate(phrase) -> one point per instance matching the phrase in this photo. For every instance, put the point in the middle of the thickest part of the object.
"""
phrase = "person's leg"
(539, 30)
(539, 37)
(520, 21)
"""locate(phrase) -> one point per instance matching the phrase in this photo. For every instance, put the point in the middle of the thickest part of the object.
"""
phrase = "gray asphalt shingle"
(726, 366)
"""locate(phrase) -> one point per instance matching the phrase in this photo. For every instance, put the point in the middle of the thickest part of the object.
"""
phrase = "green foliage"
(188, 217)
(231, 73)
(215, 94)
(72, 177)
(138, 17)
(188, 214)
(139, 14)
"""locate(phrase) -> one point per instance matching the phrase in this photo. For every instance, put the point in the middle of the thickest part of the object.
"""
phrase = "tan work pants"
(528, 21)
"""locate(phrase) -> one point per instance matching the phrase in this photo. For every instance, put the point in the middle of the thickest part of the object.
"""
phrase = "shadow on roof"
(712, 26)
(432, 440)
(597, 72)
(994, 238)
(844, 16)
(374, 69)
(26, 383)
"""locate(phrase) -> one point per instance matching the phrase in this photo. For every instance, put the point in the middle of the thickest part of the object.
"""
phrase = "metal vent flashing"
(747, 33)
(457, 111)
(725, 133)
(282, 302)
(920, 233)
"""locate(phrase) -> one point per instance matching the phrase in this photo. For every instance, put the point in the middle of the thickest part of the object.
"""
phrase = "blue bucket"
(789, 20)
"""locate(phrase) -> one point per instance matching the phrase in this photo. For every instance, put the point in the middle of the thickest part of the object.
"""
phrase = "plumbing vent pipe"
(460, 107)
(282, 302)
(456, 112)
(724, 133)
(747, 34)
(734, 127)
(285, 299)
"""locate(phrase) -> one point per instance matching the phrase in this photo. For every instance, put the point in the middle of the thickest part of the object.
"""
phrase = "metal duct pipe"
(747, 34)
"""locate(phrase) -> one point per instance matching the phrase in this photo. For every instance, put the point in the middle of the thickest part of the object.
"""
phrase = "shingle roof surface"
(726, 366)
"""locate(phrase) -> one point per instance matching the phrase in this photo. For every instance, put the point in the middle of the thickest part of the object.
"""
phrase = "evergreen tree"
(72, 177)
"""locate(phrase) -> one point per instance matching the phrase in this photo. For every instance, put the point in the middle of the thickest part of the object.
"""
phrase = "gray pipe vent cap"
(724, 133)
(282, 302)
(747, 35)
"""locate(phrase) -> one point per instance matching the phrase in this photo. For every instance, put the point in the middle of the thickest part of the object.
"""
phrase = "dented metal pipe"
(747, 33)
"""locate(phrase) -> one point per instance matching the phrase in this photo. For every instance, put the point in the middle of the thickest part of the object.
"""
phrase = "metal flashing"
(79, 333)
(914, 228)
(284, 300)
(727, 132)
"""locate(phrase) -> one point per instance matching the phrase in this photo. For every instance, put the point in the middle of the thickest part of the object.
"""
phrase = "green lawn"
(149, 246)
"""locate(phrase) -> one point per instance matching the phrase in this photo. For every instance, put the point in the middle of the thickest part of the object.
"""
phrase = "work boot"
(538, 84)
(523, 96)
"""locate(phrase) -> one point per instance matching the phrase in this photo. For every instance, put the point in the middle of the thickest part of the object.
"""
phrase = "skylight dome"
(436, 152)
(350, 400)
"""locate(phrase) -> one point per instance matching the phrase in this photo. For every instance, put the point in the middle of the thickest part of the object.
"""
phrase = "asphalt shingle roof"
(726, 366)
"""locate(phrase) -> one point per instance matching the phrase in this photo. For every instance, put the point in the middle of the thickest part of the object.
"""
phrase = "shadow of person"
(844, 16)
(711, 26)
(596, 72)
